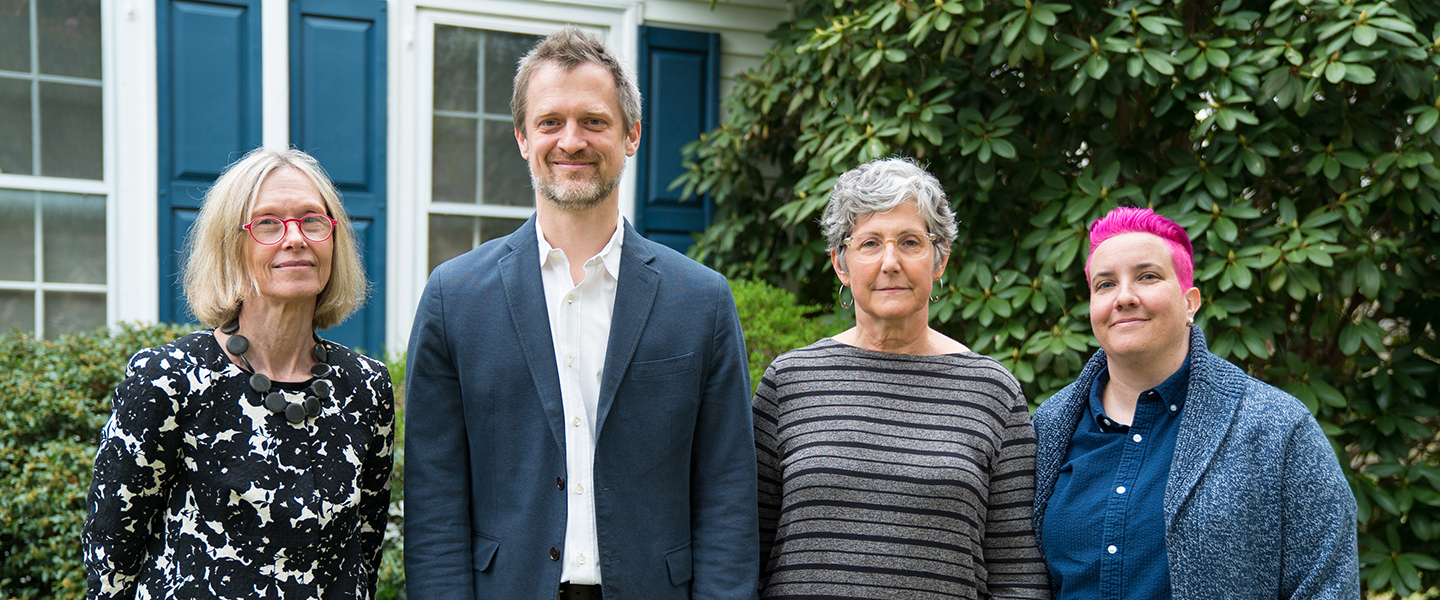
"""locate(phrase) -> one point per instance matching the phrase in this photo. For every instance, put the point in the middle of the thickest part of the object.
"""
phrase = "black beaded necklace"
(295, 412)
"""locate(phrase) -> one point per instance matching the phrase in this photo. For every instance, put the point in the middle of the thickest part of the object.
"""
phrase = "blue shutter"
(209, 115)
(337, 114)
(680, 82)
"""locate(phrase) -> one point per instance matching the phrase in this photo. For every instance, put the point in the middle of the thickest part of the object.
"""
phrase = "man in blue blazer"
(578, 418)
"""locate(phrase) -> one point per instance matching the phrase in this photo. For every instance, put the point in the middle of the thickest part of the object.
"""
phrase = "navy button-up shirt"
(1104, 528)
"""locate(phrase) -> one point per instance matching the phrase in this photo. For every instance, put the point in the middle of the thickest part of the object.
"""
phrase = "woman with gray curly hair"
(892, 459)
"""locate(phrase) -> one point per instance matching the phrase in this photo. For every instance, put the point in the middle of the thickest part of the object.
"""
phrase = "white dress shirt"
(580, 329)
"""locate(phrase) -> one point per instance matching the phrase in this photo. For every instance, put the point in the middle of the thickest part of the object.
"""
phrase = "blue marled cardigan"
(1256, 505)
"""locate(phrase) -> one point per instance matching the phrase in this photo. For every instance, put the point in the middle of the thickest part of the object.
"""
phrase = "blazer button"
(560, 483)
(554, 554)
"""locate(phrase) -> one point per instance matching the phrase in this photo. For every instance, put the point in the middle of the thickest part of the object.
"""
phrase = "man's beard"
(575, 195)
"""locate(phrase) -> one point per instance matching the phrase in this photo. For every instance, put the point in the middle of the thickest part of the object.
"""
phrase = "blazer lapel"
(1211, 406)
(525, 298)
(634, 298)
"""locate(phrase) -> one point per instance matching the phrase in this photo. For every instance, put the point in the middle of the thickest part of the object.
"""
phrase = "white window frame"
(132, 162)
(411, 98)
(104, 187)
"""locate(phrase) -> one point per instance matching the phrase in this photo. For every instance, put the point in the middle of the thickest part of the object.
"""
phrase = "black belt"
(571, 591)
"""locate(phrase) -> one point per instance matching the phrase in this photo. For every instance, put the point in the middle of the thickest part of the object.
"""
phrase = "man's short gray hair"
(879, 186)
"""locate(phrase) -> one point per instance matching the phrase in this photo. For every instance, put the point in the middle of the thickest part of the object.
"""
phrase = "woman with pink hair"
(1165, 471)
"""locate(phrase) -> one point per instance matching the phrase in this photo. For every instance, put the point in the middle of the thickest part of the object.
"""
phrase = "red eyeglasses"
(270, 229)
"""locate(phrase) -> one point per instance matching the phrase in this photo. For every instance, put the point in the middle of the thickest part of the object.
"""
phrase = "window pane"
(74, 233)
(453, 174)
(453, 235)
(507, 175)
(73, 312)
(69, 35)
(71, 139)
(17, 241)
(17, 155)
(17, 311)
(503, 52)
(456, 67)
(14, 36)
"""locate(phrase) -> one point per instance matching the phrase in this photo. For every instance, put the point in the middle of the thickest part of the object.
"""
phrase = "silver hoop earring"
(843, 303)
(935, 296)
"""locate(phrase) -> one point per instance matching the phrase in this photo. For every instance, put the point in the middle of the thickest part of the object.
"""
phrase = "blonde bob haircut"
(216, 271)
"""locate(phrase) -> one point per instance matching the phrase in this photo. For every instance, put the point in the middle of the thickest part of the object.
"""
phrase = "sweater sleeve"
(136, 462)
(767, 410)
(1319, 552)
(1016, 569)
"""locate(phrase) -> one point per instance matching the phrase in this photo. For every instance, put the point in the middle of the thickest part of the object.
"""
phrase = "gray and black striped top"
(894, 476)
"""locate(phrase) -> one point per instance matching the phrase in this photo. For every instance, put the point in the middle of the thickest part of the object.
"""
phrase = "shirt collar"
(1172, 392)
(609, 255)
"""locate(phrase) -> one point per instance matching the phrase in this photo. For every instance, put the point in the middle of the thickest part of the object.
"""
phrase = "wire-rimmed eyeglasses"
(270, 229)
(909, 246)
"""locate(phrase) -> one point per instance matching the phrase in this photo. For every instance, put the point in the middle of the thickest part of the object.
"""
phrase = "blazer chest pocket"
(675, 365)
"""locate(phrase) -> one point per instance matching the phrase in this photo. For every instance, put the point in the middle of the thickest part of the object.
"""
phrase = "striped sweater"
(894, 476)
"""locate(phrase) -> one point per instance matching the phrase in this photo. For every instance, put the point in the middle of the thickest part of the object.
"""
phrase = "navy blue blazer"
(674, 469)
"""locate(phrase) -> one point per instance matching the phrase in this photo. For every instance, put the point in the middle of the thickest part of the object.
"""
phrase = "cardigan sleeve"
(1319, 553)
(139, 447)
(1016, 569)
(767, 458)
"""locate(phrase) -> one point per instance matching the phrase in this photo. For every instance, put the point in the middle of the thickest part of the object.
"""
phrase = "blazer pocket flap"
(483, 551)
(665, 366)
(679, 562)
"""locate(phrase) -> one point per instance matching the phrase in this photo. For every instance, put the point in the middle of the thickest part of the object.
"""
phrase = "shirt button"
(575, 422)
(570, 298)
(579, 489)
(1120, 490)
(560, 482)
(1112, 549)
(1137, 437)
(580, 559)
(555, 553)
(1174, 408)
(569, 361)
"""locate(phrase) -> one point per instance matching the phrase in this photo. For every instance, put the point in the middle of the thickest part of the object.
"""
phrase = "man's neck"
(580, 235)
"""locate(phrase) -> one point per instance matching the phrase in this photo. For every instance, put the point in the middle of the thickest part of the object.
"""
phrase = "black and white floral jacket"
(200, 491)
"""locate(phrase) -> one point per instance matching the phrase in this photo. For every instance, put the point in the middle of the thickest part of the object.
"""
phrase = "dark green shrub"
(775, 323)
(54, 397)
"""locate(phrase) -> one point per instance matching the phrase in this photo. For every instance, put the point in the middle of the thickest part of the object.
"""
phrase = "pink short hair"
(1125, 219)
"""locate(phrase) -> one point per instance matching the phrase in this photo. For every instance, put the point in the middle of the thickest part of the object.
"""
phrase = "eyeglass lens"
(269, 230)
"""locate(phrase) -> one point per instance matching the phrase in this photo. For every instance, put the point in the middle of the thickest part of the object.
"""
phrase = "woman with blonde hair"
(251, 459)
